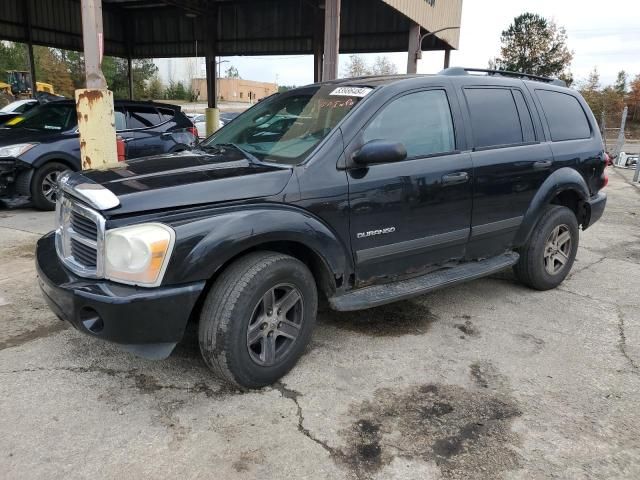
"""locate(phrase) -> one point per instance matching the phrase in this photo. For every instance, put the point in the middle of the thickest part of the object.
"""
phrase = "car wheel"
(258, 318)
(44, 185)
(547, 258)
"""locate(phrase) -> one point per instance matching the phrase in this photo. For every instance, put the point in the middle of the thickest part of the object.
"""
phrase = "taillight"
(193, 131)
(605, 179)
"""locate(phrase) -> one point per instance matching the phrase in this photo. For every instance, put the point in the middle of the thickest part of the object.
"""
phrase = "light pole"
(219, 62)
(417, 54)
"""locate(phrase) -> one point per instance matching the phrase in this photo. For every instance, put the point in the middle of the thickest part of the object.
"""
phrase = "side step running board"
(392, 292)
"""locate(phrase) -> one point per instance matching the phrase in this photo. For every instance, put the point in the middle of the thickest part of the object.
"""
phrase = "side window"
(121, 123)
(565, 116)
(494, 117)
(142, 117)
(528, 133)
(421, 121)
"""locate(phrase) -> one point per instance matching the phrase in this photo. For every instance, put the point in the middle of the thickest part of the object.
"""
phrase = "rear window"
(565, 116)
(53, 116)
(494, 117)
(142, 117)
(166, 114)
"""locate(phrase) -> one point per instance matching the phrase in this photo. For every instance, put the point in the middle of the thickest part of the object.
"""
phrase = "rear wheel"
(258, 318)
(44, 182)
(547, 258)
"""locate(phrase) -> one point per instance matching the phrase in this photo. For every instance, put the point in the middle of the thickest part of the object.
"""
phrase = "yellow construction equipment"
(20, 84)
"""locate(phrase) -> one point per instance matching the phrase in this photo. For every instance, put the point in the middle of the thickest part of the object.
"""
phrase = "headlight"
(15, 150)
(138, 255)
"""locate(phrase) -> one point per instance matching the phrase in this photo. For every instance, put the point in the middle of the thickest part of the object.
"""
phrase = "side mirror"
(380, 151)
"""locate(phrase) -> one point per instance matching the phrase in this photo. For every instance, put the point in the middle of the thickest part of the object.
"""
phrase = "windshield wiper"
(249, 156)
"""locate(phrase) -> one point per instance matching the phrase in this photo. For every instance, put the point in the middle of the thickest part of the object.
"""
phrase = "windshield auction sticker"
(351, 91)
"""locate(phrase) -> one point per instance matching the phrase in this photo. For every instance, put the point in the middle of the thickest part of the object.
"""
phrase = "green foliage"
(65, 70)
(177, 91)
(232, 72)
(13, 56)
(621, 82)
(533, 44)
(608, 99)
(285, 88)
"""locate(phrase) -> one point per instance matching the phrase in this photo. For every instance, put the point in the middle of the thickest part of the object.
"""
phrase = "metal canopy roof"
(179, 28)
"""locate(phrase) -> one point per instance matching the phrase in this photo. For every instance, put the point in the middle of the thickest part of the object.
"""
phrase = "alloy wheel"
(275, 325)
(557, 249)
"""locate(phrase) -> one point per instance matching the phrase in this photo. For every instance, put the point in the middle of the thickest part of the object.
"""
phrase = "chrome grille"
(79, 237)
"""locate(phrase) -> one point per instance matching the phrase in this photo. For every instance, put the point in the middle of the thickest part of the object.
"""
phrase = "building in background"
(235, 89)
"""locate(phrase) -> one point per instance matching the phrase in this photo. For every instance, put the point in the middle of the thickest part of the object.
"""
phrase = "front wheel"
(547, 258)
(44, 189)
(258, 318)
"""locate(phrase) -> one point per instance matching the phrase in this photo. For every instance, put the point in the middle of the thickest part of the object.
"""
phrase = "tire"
(541, 260)
(235, 307)
(43, 192)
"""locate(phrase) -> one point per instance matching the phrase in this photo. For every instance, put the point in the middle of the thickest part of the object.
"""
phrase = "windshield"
(50, 116)
(287, 127)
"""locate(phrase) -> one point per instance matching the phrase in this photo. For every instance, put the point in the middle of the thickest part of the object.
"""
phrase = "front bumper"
(596, 208)
(146, 321)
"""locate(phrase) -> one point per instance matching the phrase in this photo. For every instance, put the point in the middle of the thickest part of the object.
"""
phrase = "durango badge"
(373, 233)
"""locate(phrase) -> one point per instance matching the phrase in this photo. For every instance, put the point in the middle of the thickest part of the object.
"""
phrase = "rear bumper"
(596, 208)
(147, 321)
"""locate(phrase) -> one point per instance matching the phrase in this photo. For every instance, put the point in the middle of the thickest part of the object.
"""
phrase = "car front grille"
(79, 237)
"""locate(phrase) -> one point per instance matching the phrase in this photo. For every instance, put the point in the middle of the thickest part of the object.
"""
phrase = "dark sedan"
(37, 146)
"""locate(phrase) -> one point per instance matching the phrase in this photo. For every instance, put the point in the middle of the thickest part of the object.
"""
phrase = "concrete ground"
(486, 380)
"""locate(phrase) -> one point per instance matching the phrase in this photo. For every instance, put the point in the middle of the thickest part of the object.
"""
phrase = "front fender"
(559, 181)
(204, 245)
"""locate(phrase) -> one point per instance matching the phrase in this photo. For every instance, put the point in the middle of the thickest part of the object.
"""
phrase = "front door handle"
(455, 178)
(542, 164)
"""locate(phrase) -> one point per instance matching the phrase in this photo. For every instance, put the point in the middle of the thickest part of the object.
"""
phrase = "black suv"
(364, 191)
(39, 145)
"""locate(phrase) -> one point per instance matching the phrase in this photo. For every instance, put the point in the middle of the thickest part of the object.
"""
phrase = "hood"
(11, 136)
(189, 178)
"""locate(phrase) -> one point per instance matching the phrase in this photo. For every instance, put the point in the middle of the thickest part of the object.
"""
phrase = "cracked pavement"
(483, 380)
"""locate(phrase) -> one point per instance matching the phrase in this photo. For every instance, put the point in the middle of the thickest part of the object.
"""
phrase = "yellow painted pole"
(94, 105)
(212, 119)
(98, 148)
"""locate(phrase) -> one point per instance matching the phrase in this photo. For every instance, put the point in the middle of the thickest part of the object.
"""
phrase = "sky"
(602, 34)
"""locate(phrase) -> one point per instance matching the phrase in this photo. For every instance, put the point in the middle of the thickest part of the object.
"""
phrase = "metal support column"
(212, 114)
(318, 43)
(413, 49)
(130, 77)
(26, 5)
(331, 39)
(96, 122)
(447, 58)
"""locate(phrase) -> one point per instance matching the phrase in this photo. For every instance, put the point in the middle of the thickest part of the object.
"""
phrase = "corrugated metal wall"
(258, 27)
(433, 15)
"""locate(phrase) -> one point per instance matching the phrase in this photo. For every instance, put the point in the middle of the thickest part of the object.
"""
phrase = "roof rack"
(453, 71)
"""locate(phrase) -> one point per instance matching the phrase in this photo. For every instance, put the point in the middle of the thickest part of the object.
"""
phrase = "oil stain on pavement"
(466, 433)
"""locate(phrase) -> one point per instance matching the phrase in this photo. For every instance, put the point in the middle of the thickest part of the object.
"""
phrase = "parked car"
(38, 146)
(382, 188)
(15, 109)
(200, 121)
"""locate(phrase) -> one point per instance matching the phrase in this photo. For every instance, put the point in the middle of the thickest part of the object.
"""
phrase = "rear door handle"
(542, 164)
(454, 178)
(166, 135)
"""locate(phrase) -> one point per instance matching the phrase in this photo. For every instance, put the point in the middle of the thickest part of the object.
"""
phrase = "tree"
(634, 98)
(533, 44)
(285, 88)
(51, 68)
(621, 82)
(356, 67)
(155, 90)
(232, 72)
(384, 66)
